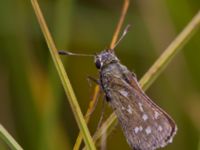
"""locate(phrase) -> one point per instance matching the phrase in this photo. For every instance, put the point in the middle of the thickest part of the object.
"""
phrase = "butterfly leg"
(90, 78)
(102, 114)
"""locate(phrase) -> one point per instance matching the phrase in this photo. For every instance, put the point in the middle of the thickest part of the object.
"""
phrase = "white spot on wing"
(124, 93)
(170, 140)
(160, 128)
(163, 145)
(156, 114)
(144, 117)
(129, 109)
(138, 129)
(148, 130)
(123, 108)
(140, 106)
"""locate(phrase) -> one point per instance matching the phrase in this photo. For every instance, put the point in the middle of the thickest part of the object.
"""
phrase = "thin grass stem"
(120, 23)
(87, 116)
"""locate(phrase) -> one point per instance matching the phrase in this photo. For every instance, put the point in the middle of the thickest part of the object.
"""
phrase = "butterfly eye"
(98, 63)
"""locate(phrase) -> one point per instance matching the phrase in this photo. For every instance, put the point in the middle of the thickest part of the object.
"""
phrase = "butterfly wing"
(145, 125)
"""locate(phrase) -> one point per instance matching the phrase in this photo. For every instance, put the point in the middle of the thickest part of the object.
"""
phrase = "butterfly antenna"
(123, 35)
(120, 22)
(63, 52)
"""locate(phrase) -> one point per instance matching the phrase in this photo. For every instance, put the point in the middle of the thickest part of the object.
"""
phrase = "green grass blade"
(170, 52)
(64, 78)
(7, 138)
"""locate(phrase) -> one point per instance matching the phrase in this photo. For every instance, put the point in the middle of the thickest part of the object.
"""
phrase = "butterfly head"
(104, 58)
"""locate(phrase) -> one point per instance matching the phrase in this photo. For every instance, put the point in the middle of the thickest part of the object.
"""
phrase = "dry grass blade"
(64, 78)
(119, 25)
(157, 68)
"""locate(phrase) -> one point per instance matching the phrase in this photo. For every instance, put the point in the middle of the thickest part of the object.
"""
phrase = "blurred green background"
(33, 106)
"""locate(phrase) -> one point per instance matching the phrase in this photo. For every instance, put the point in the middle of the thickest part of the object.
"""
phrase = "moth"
(145, 125)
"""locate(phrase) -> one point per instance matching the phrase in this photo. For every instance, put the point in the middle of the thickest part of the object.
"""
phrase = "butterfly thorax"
(110, 69)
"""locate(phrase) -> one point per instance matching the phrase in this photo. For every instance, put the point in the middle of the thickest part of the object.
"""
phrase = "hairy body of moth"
(145, 125)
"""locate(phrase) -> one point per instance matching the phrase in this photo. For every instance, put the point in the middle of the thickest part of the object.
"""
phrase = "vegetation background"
(33, 106)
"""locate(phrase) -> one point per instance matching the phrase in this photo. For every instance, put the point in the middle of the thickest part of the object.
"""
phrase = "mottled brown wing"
(145, 125)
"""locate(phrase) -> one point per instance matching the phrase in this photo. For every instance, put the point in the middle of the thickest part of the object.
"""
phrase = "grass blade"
(7, 138)
(64, 78)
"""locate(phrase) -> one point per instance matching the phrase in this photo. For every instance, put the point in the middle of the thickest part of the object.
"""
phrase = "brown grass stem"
(120, 23)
